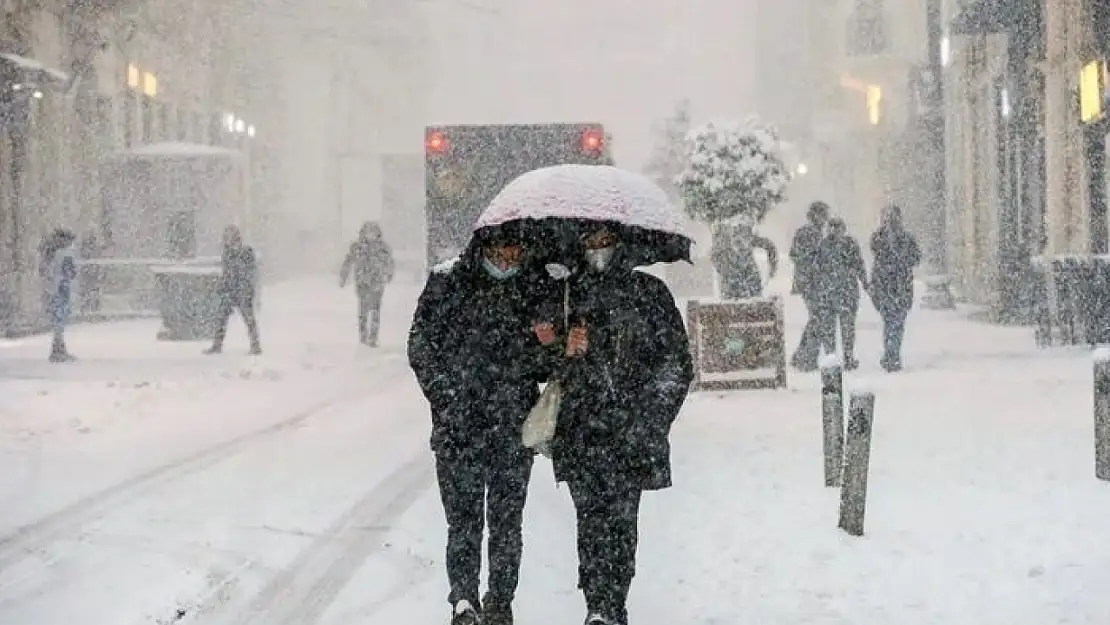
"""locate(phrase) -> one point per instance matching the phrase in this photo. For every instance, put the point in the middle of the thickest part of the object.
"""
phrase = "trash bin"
(188, 301)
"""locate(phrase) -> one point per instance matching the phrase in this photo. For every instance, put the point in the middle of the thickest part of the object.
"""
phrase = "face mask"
(599, 259)
(498, 273)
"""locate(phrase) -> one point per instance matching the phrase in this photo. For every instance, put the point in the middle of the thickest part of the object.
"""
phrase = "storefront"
(1009, 96)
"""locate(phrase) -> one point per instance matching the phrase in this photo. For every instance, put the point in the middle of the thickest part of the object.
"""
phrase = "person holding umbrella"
(625, 366)
(472, 349)
(629, 372)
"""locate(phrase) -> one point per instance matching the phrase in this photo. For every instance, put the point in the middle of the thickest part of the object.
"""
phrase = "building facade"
(312, 99)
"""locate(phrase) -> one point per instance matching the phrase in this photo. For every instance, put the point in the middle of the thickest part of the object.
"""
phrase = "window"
(128, 121)
(148, 120)
(867, 29)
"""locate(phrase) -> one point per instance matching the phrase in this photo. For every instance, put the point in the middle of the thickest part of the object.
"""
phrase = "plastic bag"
(539, 426)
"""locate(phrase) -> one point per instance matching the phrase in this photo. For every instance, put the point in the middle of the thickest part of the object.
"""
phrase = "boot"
(58, 351)
(215, 349)
(464, 613)
(595, 618)
(496, 612)
(256, 350)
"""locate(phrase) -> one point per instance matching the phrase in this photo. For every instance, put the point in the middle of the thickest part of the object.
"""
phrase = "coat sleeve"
(672, 367)
(772, 252)
(858, 264)
(427, 348)
(348, 262)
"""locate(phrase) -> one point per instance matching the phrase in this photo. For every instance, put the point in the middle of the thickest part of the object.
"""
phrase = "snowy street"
(148, 484)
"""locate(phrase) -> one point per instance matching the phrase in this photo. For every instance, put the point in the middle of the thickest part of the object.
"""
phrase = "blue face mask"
(498, 273)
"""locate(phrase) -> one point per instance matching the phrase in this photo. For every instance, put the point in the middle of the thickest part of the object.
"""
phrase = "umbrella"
(559, 201)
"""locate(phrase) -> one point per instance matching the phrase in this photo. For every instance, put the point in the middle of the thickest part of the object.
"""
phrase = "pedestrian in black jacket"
(473, 349)
(843, 271)
(237, 288)
(626, 372)
(896, 255)
(806, 253)
(372, 260)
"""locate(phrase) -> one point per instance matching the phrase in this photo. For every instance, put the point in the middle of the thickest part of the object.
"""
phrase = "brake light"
(435, 142)
(593, 141)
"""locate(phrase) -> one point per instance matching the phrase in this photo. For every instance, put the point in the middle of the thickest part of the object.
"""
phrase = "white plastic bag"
(539, 427)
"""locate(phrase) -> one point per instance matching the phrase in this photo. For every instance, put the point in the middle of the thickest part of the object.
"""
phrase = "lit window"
(150, 85)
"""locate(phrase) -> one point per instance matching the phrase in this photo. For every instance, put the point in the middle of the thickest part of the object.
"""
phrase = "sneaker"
(496, 612)
(465, 614)
(596, 619)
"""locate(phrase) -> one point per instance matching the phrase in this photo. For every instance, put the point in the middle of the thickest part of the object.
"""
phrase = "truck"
(466, 166)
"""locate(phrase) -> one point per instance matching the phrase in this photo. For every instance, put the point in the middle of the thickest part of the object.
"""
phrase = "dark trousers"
(894, 330)
(819, 332)
(245, 306)
(844, 316)
(369, 314)
(608, 532)
(473, 491)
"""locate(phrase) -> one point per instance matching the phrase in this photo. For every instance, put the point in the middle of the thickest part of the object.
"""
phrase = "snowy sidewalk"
(132, 402)
(297, 488)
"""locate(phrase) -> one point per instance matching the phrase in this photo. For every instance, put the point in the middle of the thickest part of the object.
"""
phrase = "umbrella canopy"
(565, 200)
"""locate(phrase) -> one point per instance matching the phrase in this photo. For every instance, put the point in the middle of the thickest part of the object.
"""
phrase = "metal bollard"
(857, 460)
(832, 418)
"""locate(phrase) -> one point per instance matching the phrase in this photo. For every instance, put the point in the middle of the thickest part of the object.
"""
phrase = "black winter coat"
(239, 273)
(842, 271)
(477, 360)
(372, 262)
(896, 254)
(621, 398)
(806, 253)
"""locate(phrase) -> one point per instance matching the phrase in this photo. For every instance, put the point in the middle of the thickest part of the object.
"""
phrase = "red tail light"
(435, 142)
(593, 141)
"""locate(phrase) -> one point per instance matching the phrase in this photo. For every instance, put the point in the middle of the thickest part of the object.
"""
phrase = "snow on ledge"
(860, 385)
(1101, 354)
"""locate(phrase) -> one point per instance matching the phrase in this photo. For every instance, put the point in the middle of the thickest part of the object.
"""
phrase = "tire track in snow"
(301, 593)
(23, 542)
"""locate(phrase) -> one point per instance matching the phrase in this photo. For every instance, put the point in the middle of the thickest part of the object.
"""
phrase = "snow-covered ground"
(150, 484)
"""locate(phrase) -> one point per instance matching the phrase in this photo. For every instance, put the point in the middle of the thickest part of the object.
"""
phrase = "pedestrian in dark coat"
(372, 261)
(734, 246)
(236, 291)
(479, 364)
(805, 251)
(896, 255)
(626, 373)
(59, 271)
(843, 273)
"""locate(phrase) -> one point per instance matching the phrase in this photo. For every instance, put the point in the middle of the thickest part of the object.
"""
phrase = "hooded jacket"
(476, 358)
(622, 396)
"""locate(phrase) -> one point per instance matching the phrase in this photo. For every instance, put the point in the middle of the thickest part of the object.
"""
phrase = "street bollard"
(857, 458)
(1102, 412)
(832, 418)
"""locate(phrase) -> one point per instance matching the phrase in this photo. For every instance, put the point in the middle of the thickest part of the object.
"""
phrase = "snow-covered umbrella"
(555, 201)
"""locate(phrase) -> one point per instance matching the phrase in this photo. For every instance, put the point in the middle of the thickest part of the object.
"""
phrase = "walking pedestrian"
(626, 373)
(372, 260)
(843, 272)
(236, 291)
(896, 255)
(474, 353)
(59, 270)
(733, 255)
(806, 253)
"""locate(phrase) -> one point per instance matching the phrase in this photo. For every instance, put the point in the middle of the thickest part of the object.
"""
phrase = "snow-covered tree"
(732, 168)
(668, 156)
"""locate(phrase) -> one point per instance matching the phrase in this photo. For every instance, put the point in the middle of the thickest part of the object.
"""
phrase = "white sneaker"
(465, 614)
